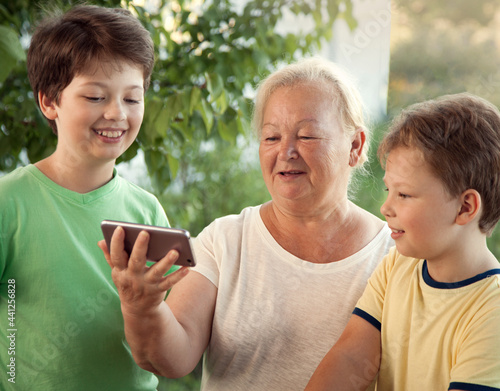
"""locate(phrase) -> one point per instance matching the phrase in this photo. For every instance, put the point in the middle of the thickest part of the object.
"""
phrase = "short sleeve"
(371, 303)
(477, 361)
(160, 216)
(204, 254)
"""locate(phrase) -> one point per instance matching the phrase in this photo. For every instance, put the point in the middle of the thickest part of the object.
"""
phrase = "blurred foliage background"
(200, 156)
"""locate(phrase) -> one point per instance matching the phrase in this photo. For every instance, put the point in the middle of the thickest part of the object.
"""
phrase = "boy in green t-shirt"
(429, 318)
(60, 323)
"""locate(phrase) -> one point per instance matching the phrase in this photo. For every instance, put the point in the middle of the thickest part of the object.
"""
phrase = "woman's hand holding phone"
(142, 289)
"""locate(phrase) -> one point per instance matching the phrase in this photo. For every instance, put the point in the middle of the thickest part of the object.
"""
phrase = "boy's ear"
(357, 145)
(47, 105)
(470, 206)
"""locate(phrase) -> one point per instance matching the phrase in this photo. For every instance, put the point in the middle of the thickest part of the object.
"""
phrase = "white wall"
(364, 52)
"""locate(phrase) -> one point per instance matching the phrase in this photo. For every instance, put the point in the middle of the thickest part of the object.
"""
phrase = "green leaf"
(161, 122)
(153, 108)
(173, 164)
(348, 16)
(11, 51)
(222, 102)
(194, 99)
(207, 114)
(215, 85)
(228, 127)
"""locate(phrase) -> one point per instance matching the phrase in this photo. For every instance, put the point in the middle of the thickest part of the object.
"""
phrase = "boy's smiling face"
(419, 210)
(99, 114)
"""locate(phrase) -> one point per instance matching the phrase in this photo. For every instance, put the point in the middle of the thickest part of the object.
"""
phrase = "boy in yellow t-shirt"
(429, 318)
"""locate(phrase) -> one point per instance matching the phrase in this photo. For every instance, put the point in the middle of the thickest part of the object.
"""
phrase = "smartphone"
(161, 240)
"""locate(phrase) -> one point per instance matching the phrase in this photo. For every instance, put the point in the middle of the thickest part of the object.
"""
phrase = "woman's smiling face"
(304, 152)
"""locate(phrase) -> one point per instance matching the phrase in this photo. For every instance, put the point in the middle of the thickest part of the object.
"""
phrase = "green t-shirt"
(61, 326)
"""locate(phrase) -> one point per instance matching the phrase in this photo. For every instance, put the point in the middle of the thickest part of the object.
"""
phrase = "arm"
(353, 362)
(166, 339)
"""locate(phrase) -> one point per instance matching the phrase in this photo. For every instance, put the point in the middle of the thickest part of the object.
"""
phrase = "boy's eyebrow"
(103, 85)
(395, 181)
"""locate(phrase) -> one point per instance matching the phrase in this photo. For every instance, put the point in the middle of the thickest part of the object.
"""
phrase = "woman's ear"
(47, 106)
(357, 145)
(470, 206)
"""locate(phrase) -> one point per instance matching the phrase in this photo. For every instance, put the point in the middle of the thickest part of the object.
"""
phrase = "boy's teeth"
(110, 133)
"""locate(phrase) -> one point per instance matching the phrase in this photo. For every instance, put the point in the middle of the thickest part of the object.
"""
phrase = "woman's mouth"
(286, 173)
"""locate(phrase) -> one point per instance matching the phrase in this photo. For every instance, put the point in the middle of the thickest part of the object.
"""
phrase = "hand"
(142, 289)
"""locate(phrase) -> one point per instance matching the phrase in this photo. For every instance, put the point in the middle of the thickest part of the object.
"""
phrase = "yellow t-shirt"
(435, 336)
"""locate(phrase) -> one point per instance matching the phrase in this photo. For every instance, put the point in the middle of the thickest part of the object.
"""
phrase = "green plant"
(208, 56)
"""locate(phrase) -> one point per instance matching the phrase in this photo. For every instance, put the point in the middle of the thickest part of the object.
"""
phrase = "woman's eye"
(133, 101)
(402, 195)
(93, 98)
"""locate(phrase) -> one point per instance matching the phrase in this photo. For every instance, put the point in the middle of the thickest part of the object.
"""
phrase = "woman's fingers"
(160, 268)
(137, 260)
(118, 256)
(104, 247)
(172, 279)
(156, 274)
(131, 274)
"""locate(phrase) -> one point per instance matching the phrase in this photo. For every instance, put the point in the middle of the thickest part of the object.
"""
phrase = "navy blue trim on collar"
(453, 285)
(470, 387)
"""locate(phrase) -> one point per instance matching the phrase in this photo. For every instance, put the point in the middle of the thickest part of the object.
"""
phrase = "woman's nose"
(288, 150)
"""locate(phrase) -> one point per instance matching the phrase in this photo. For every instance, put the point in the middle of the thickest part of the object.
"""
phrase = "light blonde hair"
(328, 76)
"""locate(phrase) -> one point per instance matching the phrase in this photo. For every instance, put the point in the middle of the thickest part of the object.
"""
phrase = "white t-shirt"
(276, 315)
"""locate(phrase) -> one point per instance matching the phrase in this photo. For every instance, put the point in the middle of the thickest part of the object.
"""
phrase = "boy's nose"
(115, 111)
(386, 209)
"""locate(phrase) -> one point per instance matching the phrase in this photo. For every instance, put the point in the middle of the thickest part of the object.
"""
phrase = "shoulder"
(135, 195)
(235, 223)
(15, 178)
(395, 266)
(20, 186)
(371, 229)
(488, 289)
(132, 188)
(138, 202)
(383, 239)
(229, 231)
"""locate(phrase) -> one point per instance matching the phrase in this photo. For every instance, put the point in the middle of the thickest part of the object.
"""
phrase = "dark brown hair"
(459, 137)
(66, 45)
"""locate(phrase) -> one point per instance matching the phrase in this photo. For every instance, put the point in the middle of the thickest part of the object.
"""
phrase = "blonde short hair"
(329, 77)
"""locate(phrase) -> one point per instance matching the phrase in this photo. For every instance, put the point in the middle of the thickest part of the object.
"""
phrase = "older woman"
(275, 285)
